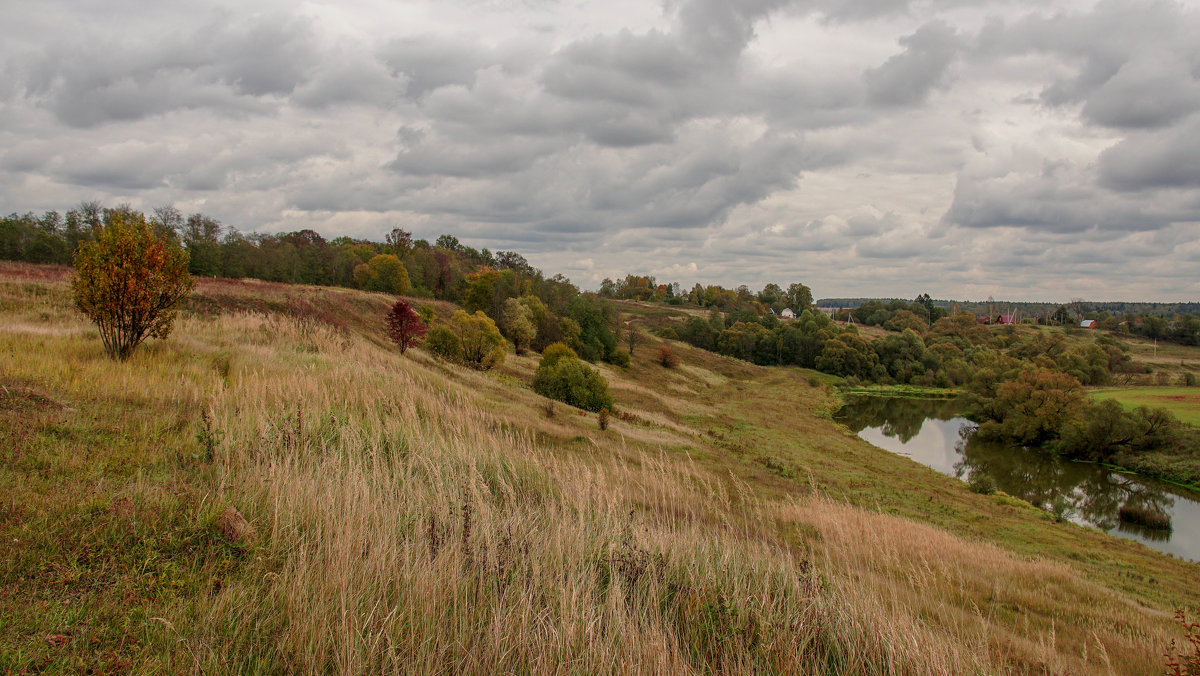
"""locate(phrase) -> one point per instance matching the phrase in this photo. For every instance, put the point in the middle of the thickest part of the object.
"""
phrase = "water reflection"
(933, 433)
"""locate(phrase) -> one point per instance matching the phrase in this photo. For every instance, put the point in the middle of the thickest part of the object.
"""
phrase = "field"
(1183, 402)
(412, 516)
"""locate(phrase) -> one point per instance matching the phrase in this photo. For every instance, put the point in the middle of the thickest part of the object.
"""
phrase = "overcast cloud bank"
(1026, 150)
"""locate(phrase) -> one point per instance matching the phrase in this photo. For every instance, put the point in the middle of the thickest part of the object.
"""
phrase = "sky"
(1041, 150)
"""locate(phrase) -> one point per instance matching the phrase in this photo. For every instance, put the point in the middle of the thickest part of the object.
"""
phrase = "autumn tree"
(129, 281)
(404, 326)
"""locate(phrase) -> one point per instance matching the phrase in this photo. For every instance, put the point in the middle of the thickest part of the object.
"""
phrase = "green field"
(1183, 402)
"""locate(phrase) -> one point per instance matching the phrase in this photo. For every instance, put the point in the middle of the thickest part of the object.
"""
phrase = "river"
(933, 433)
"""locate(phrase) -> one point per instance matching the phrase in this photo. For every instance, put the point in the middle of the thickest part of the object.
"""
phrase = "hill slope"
(414, 516)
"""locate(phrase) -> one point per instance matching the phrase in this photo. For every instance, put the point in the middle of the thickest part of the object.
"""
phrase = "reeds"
(1147, 516)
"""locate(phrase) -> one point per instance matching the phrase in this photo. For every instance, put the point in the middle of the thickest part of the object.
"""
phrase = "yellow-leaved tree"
(130, 281)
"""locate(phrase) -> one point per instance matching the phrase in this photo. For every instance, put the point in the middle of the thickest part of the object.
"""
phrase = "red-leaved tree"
(404, 326)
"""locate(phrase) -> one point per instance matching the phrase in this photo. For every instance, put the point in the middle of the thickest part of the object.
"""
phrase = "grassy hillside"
(414, 516)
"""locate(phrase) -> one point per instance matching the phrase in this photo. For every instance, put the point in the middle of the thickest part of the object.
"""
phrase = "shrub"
(404, 326)
(443, 342)
(669, 333)
(1189, 379)
(554, 352)
(566, 378)
(981, 483)
(130, 281)
(1179, 662)
(602, 419)
(666, 356)
(619, 358)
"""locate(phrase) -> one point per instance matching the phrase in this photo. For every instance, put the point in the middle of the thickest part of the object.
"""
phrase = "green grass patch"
(1182, 402)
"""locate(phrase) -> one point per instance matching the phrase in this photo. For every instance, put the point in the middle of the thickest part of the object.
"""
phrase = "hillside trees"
(130, 281)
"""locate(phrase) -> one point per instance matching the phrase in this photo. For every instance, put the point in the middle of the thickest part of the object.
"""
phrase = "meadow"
(1182, 402)
(413, 516)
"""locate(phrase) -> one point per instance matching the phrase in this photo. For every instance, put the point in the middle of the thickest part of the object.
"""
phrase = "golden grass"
(416, 517)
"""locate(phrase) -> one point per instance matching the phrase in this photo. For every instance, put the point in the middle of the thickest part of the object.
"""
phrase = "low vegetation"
(410, 513)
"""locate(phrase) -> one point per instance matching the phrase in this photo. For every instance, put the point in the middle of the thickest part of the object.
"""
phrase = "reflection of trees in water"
(898, 417)
(1080, 490)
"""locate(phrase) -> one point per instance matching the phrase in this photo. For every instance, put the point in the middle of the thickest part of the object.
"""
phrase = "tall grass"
(406, 530)
(406, 522)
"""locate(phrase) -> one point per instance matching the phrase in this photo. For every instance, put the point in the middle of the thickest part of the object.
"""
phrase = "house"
(1005, 319)
(1088, 324)
(787, 313)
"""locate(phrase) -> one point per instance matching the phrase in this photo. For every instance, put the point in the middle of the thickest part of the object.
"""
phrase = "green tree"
(799, 297)
(517, 322)
(201, 238)
(563, 376)
(482, 345)
(1036, 407)
(384, 272)
(130, 282)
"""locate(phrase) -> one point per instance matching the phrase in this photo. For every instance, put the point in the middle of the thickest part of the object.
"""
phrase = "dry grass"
(417, 518)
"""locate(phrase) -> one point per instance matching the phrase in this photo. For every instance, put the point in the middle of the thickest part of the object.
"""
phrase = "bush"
(130, 281)
(981, 483)
(444, 343)
(554, 352)
(669, 333)
(1189, 379)
(666, 356)
(566, 378)
(602, 419)
(619, 358)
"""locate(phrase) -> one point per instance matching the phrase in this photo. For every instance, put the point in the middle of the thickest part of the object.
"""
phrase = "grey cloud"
(1137, 61)
(908, 77)
(350, 78)
(1168, 158)
(432, 62)
(720, 29)
(1146, 92)
(224, 66)
(625, 69)
(1067, 203)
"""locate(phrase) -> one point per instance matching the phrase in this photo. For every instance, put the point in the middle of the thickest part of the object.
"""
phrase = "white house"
(787, 313)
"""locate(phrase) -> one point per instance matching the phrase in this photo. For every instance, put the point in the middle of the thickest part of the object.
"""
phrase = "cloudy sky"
(1026, 150)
